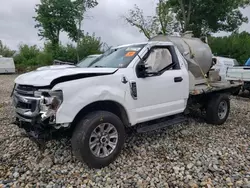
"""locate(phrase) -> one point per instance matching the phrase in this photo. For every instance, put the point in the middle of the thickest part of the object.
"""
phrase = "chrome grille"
(27, 106)
(23, 105)
(25, 90)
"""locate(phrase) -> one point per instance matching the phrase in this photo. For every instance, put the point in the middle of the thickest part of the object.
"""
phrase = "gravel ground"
(188, 155)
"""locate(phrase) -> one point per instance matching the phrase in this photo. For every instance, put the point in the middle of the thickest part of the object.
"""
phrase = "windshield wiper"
(99, 66)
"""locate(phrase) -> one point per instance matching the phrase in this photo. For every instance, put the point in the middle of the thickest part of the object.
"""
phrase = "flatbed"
(216, 87)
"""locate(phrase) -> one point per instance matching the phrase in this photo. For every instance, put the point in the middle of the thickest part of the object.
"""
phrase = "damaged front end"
(36, 111)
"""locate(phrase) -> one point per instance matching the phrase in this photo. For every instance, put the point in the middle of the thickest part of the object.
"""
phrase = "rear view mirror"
(141, 70)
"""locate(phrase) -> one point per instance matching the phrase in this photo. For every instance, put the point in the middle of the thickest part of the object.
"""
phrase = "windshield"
(87, 61)
(118, 57)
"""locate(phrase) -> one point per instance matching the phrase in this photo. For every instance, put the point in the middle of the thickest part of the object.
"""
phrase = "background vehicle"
(247, 62)
(148, 85)
(7, 65)
(222, 63)
(62, 65)
(88, 60)
(239, 74)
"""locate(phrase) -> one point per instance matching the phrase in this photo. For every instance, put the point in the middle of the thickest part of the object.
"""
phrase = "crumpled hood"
(50, 77)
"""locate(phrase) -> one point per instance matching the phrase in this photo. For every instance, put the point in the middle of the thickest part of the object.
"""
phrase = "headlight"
(49, 103)
(53, 99)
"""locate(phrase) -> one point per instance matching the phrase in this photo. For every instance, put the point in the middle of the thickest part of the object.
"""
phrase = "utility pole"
(79, 29)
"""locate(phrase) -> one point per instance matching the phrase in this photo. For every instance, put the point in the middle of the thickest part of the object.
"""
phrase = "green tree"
(163, 21)
(27, 55)
(82, 6)
(235, 46)
(31, 57)
(63, 52)
(55, 16)
(5, 51)
(204, 17)
(89, 44)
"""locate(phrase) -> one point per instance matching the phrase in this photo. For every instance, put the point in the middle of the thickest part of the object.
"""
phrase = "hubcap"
(103, 140)
(223, 108)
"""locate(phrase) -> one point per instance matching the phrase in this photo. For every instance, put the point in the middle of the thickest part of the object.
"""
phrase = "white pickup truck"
(222, 64)
(239, 74)
(129, 85)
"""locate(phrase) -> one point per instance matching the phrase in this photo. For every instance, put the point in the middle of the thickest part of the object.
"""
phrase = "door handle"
(178, 79)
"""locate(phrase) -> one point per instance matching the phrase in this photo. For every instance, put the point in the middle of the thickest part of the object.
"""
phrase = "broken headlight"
(50, 101)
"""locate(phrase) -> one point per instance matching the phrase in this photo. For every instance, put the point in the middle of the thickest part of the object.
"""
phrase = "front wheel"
(98, 139)
(217, 110)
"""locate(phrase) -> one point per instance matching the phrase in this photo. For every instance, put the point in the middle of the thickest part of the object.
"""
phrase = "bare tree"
(163, 21)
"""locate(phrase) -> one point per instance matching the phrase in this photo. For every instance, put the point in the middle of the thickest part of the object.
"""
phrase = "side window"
(158, 59)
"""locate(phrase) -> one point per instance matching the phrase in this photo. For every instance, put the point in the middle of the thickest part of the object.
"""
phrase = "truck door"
(163, 91)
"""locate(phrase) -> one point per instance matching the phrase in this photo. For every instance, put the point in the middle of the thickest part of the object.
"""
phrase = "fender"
(75, 98)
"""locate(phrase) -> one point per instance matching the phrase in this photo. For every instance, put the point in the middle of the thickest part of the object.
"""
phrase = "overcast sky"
(17, 24)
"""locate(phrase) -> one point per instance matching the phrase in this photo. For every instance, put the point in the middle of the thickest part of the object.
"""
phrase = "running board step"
(160, 124)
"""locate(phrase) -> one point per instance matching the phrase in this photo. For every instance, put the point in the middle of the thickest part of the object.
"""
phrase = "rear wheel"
(98, 139)
(217, 110)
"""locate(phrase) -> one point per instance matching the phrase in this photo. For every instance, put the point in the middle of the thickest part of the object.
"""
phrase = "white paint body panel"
(79, 93)
(7, 65)
(222, 65)
(158, 96)
(53, 67)
(241, 73)
(46, 76)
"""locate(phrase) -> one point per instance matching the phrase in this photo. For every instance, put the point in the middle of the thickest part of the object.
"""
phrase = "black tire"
(212, 110)
(82, 133)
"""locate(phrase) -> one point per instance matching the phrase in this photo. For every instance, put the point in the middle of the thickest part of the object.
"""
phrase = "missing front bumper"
(35, 113)
(42, 131)
(39, 131)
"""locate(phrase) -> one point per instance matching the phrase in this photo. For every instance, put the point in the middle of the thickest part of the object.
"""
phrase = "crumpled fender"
(78, 94)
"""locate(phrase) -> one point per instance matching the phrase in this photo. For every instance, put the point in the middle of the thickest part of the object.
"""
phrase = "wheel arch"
(106, 105)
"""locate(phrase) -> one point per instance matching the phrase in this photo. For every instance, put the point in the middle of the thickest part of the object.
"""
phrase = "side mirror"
(141, 70)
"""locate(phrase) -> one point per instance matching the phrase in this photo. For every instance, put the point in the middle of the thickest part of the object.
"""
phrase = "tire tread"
(212, 107)
(80, 134)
